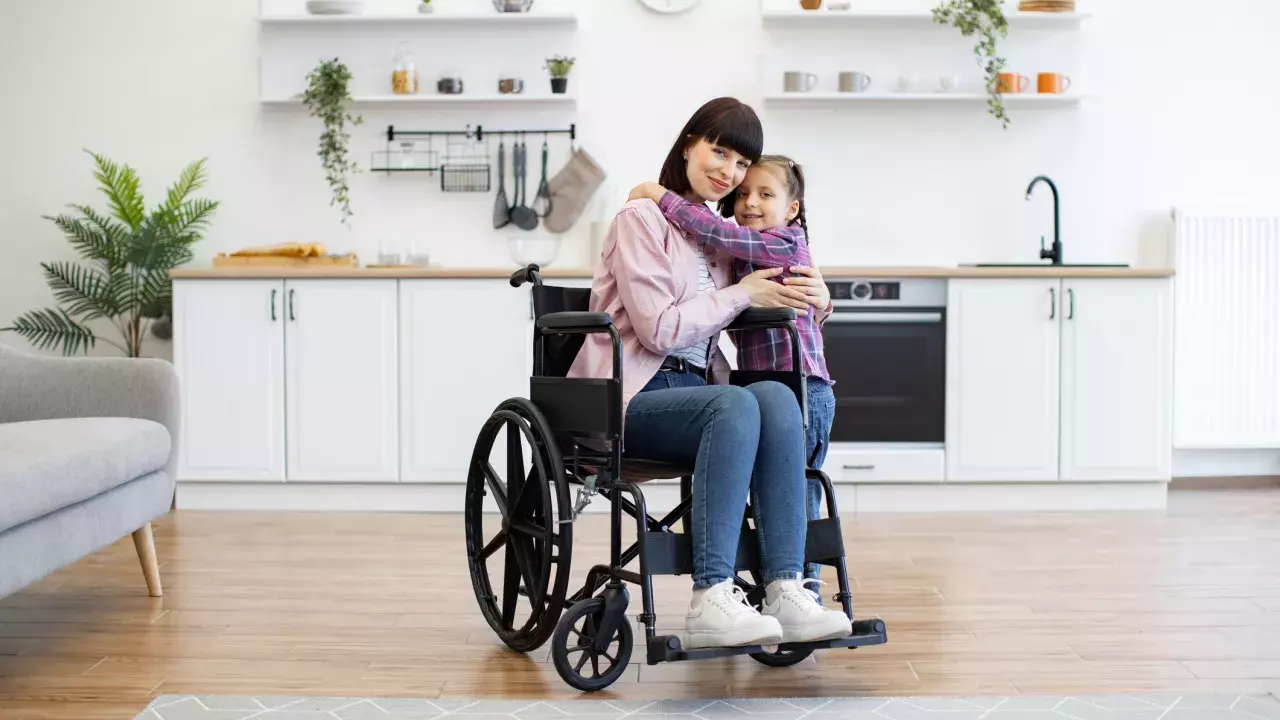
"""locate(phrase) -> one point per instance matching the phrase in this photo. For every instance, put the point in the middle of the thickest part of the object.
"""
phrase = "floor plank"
(1186, 600)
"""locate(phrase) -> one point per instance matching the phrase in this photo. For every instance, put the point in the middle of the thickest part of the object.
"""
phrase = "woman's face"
(713, 170)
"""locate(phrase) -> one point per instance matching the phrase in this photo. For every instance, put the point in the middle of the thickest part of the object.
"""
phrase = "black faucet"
(1055, 252)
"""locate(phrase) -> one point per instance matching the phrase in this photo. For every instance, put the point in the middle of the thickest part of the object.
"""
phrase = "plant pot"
(559, 85)
(424, 9)
(810, 4)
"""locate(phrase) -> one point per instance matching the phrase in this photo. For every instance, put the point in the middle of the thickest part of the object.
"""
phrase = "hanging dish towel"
(571, 188)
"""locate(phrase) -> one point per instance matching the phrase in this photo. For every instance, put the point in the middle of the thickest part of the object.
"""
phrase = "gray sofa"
(87, 454)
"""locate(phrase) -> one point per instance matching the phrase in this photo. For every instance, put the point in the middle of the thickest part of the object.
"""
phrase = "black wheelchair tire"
(544, 544)
(589, 609)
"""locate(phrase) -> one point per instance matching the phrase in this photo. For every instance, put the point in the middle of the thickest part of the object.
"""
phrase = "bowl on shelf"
(335, 7)
(517, 6)
(538, 248)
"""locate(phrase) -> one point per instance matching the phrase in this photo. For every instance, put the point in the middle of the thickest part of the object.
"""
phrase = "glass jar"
(404, 74)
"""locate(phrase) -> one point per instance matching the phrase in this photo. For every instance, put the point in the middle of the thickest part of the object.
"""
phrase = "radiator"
(1226, 331)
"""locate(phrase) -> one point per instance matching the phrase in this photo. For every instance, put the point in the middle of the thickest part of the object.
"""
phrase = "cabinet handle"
(1071, 300)
(273, 304)
(291, 315)
(1053, 303)
(859, 467)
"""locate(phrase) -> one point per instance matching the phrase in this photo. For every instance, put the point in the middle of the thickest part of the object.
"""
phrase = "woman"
(669, 299)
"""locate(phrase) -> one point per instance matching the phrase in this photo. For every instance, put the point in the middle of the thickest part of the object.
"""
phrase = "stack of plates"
(335, 7)
(1047, 6)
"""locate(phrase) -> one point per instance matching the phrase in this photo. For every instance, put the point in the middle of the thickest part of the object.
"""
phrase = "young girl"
(771, 232)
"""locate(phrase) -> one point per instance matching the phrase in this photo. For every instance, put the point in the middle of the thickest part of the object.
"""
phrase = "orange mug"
(1008, 82)
(1053, 83)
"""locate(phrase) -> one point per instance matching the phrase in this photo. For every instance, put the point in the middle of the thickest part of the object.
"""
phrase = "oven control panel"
(866, 290)
(908, 292)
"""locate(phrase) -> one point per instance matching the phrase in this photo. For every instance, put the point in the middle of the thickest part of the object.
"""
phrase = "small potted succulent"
(559, 68)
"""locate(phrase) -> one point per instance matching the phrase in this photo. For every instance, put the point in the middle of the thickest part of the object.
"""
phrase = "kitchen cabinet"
(1117, 342)
(341, 366)
(1003, 354)
(465, 346)
(229, 350)
(1040, 390)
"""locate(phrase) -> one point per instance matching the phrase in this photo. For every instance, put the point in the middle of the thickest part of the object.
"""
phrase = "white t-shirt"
(696, 354)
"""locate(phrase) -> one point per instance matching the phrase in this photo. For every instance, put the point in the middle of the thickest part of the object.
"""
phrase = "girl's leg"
(717, 430)
(822, 410)
(779, 495)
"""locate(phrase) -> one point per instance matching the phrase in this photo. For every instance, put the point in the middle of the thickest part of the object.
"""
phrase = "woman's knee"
(777, 403)
(735, 402)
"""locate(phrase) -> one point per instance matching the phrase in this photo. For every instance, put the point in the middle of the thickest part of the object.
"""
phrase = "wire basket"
(512, 5)
(464, 178)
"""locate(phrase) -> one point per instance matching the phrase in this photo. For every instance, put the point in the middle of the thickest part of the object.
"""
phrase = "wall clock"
(670, 6)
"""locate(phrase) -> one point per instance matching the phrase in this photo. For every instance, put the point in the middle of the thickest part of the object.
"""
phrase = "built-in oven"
(885, 347)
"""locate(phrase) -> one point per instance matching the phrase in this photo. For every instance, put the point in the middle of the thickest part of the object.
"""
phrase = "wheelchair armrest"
(763, 318)
(576, 321)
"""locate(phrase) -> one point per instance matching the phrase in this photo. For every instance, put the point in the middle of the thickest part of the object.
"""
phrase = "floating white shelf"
(836, 98)
(846, 18)
(436, 18)
(433, 98)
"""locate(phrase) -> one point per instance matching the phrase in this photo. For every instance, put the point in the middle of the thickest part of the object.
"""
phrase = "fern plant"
(128, 252)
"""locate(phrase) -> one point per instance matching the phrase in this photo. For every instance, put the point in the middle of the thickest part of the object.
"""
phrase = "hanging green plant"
(327, 96)
(986, 19)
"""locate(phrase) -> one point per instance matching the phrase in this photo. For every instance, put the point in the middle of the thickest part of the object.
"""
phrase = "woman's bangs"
(739, 130)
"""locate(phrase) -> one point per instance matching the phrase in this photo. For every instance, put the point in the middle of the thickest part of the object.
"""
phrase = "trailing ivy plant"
(986, 19)
(327, 96)
(129, 251)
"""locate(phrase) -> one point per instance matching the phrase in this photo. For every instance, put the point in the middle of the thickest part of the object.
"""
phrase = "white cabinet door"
(1116, 380)
(1002, 379)
(228, 350)
(341, 371)
(466, 345)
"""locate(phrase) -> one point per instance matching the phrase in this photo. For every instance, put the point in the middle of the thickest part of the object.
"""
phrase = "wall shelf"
(437, 18)
(851, 18)
(431, 98)
(836, 98)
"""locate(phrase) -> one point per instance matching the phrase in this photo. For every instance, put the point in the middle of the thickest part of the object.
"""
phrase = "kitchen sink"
(1045, 265)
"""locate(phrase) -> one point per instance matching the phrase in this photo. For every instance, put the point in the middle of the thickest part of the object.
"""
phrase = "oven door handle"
(874, 317)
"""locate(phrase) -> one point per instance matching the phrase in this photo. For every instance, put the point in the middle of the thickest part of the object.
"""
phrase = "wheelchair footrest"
(668, 648)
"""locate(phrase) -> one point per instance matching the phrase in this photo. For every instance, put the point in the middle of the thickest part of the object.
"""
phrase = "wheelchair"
(572, 430)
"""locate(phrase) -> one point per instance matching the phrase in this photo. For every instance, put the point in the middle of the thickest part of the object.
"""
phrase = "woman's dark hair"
(724, 121)
(791, 172)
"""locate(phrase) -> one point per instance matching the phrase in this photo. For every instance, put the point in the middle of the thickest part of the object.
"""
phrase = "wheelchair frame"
(573, 415)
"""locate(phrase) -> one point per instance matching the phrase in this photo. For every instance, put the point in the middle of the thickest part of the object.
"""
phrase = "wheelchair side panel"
(585, 406)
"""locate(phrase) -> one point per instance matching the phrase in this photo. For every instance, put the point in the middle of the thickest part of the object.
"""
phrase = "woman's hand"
(812, 285)
(767, 293)
(647, 190)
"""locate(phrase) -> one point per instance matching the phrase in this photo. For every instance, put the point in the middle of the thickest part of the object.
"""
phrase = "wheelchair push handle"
(528, 273)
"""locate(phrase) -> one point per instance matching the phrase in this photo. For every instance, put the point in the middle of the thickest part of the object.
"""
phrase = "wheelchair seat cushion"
(638, 471)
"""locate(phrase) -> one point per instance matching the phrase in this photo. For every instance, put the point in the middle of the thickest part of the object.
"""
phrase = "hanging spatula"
(501, 213)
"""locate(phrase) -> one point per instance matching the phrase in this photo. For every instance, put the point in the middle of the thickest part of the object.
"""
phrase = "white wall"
(1182, 110)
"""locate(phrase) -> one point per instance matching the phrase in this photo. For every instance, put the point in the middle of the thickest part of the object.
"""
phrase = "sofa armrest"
(35, 387)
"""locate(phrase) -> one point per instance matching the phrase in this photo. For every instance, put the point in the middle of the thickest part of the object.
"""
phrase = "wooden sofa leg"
(145, 544)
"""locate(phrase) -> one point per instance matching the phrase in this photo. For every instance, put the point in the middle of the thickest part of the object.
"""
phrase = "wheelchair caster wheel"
(582, 662)
(781, 658)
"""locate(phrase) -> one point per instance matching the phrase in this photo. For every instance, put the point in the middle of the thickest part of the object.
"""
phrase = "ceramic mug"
(1053, 83)
(854, 82)
(1011, 82)
(797, 81)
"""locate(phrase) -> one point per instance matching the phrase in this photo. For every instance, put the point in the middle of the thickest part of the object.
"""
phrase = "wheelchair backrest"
(559, 351)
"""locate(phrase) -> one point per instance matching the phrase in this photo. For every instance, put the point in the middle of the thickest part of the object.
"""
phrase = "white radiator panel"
(1226, 331)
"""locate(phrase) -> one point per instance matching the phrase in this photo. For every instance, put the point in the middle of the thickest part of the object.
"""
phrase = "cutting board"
(324, 261)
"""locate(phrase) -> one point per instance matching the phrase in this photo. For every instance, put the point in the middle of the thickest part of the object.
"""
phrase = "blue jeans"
(741, 442)
(822, 411)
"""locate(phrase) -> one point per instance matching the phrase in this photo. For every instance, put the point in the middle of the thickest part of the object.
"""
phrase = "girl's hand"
(767, 293)
(647, 190)
(812, 285)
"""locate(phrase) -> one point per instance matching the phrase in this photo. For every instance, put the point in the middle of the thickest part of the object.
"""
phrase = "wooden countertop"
(585, 273)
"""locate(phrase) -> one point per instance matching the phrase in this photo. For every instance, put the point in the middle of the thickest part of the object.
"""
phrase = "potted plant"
(425, 6)
(986, 19)
(327, 96)
(130, 252)
(559, 68)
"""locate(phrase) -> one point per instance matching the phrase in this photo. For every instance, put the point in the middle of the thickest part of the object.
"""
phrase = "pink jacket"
(647, 280)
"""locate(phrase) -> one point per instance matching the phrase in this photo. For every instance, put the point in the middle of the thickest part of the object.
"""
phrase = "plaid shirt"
(753, 250)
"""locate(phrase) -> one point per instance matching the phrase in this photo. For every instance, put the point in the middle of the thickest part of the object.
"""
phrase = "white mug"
(854, 82)
(797, 81)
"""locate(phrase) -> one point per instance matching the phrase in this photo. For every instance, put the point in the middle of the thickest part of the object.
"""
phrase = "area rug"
(1027, 707)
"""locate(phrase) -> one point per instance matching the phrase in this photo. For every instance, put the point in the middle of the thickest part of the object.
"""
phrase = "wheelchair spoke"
(516, 479)
(583, 661)
(496, 487)
(493, 545)
(510, 588)
(524, 527)
(530, 570)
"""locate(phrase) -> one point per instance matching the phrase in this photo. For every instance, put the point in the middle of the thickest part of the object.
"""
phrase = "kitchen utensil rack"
(465, 167)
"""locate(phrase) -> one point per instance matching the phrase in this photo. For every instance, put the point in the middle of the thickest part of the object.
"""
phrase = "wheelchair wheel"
(532, 500)
(572, 651)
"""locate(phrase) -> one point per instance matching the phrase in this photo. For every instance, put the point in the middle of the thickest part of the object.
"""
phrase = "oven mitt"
(570, 190)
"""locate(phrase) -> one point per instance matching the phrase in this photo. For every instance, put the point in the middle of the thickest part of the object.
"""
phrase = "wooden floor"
(1185, 601)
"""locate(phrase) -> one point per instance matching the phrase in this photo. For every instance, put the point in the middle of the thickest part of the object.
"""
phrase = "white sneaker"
(802, 619)
(722, 617)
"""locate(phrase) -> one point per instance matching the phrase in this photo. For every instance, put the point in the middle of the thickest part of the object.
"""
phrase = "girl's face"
(762, 201)
(714, 170)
